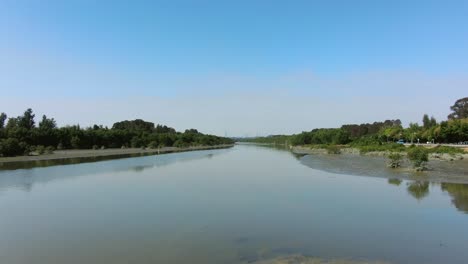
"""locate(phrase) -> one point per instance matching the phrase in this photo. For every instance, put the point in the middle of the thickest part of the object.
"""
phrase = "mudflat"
(86, 153)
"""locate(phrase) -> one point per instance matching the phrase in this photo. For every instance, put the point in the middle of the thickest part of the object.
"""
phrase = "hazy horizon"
(239, 69)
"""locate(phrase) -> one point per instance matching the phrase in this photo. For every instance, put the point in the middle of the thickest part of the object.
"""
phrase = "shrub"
(446, 149)
(49, 150)
(10, 147)
(180, 144)
(419, 156)
(333, 149)
(40, 149)
(392, 147)
(75, 142)
(395, 160)
(153, 145)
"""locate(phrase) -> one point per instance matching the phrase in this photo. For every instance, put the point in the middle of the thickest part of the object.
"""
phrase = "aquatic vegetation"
(395, 160)
(419, 156)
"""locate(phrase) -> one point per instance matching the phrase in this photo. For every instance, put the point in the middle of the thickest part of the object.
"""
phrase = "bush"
(180, 144)
(395, 160)
(445, 149)
(75, 142)
(11, 147)
(392, 147)
(153, 145)
(333, 149)
(419, 156)
(40, 149)
(49, 150)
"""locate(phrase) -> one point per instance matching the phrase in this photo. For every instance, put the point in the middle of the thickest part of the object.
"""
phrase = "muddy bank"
(304, 150)
(441, 167)
(104, 154)
(299, 259)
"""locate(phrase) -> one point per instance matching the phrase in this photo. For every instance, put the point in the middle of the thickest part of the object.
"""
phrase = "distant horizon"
(243, 68)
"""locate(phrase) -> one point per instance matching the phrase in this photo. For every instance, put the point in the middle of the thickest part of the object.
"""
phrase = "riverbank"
(441, 167)
(100, 153)
(306, 150)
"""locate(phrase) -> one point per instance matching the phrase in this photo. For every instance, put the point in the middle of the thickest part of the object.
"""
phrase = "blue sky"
(235, 67)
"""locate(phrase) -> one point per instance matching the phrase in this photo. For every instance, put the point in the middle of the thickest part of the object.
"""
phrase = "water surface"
(239, 205)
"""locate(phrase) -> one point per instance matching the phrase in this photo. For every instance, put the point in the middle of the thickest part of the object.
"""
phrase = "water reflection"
(247, 205)
(459, 193)
(394, 181)
(27, 177)
(418, 189)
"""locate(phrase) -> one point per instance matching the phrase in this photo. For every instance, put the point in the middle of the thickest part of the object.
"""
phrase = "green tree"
(26, 121)
(419, 156)
(3, 118)
(459, 109)
(11, 147)
(47, 124)
(426, 121)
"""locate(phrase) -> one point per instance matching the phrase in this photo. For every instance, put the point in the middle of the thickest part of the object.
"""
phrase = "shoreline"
(64, 155)
(443, 168)
(306, 150)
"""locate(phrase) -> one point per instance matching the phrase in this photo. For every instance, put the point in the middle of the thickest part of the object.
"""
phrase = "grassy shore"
(88, 153)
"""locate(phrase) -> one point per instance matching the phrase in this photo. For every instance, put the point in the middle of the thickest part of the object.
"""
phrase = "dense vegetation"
(383, 135)
(20, 136)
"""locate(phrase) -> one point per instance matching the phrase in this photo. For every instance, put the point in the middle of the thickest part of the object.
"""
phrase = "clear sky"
(236, 67)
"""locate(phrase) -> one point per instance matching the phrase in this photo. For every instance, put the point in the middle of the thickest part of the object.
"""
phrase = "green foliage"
(445, 149)
(418, 155)
(134, 125)
(395, 160)
(333, 149)
(49, 150)
(429, 122)
(27, 120)
(459, 109)
(3, 118)
(40, 149)
(11, 147)
(385, 147)
(153, 145)
(75, 142)
(22, 133)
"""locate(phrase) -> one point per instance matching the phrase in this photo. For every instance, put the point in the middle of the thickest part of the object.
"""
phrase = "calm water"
(238, 205)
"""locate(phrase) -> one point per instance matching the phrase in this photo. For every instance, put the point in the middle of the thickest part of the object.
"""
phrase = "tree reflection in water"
(459, 194)
(418, 189)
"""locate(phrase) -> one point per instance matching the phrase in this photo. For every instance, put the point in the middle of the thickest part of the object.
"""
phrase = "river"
(247, 204)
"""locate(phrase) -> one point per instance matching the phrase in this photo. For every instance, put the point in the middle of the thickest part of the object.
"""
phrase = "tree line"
(452, 130)
(21, 135)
